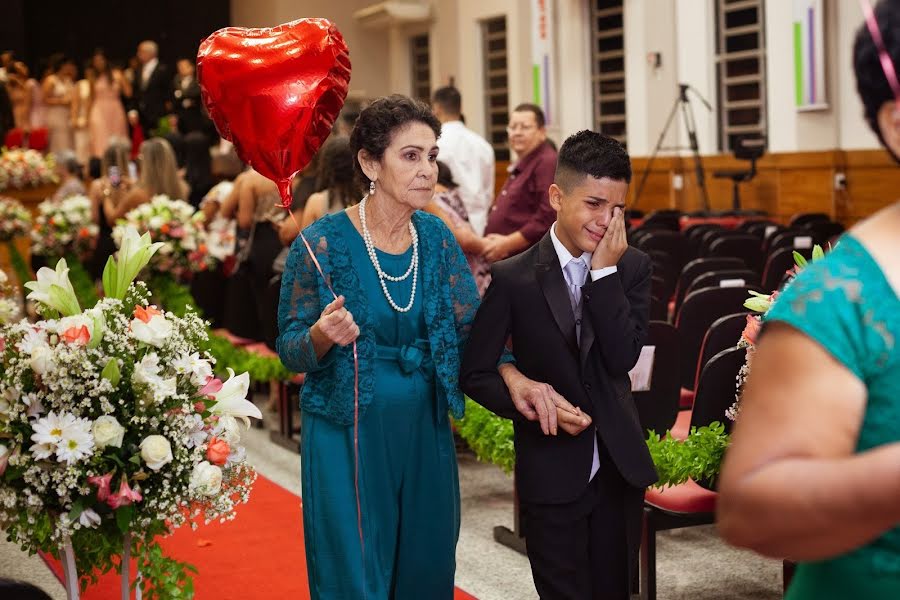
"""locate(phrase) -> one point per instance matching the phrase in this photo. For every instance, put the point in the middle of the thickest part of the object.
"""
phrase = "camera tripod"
(687, 113)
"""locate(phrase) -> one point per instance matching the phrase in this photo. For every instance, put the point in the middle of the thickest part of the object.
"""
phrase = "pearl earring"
(371, 188)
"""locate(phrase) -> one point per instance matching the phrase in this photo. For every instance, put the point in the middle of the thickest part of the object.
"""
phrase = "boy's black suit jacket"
(528, 299)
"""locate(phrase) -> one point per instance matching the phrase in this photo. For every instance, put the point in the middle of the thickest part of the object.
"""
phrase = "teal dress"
(408, 483)
(844, 303)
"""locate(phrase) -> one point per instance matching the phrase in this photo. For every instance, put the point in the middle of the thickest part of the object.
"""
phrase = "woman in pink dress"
(106, 118)
(59, 89)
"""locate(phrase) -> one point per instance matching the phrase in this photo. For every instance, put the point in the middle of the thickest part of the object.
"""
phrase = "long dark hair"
(335, 172)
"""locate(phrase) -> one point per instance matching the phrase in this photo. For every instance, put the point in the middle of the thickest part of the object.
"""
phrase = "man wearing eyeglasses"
(522, 214)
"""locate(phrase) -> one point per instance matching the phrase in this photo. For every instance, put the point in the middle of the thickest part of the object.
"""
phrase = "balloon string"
(286, 204)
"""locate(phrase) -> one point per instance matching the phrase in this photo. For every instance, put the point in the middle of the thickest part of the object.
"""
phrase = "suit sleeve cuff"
(601, 273)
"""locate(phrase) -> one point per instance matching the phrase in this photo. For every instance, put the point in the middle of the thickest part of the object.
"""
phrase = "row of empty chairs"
(692, 503)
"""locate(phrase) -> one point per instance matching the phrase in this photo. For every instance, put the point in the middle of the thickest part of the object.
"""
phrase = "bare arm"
(465, 237)
(791, 484)
(116, 210)
(96, 195)
(230, 204)
(313, 211)
(123, 82)
(246, 206)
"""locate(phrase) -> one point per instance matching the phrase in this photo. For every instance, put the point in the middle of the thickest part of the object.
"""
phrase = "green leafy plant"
(489, 436)
(698, 457)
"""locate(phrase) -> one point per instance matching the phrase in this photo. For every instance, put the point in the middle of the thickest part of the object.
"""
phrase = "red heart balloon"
(275, 92)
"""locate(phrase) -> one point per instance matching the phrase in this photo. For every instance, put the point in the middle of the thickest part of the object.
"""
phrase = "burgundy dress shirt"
(524, 203)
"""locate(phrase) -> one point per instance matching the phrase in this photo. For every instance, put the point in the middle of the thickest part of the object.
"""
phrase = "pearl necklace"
(382, 276)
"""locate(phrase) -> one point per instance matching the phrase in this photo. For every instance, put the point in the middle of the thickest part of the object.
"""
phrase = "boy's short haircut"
(590, 153)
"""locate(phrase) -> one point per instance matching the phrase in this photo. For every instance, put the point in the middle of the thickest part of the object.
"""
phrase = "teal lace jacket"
(448, 289)
(844, 303)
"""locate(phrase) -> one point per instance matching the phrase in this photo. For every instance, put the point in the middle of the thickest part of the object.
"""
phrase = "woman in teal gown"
(407, 298)
(813, 471)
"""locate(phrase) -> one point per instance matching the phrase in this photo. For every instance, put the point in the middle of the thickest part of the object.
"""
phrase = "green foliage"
(699, 457)
(23, 273)
(489, 436)
(171, 295)
(176, 298)
(260, 368)
(82, 282)
(162, 577)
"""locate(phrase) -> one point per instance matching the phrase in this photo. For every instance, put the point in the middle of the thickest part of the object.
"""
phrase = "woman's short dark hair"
(445, 176)
(871, 82)
(378, 122)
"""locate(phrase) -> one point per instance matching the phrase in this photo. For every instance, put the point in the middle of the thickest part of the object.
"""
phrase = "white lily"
(134, 253)
(54, 289)
(232, 399)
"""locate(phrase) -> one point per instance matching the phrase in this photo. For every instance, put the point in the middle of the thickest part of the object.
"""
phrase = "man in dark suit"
(576, 307)
(152, 89)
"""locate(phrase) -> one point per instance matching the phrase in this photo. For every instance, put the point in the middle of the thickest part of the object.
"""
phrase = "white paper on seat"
(732, 283)
(803, 242)
(642, 372)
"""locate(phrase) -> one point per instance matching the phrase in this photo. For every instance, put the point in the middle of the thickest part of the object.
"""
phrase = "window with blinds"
(608, 67)
(740, 70)
(496, 85)
(421, 67)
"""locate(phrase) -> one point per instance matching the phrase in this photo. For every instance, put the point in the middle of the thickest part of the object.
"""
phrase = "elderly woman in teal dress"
(813, 471)
(407, 298)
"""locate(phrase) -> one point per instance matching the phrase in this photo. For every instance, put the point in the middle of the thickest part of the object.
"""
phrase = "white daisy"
(77, 442)
(49, 429)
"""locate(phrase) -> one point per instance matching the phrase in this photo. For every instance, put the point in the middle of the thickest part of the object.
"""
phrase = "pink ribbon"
(286, 204)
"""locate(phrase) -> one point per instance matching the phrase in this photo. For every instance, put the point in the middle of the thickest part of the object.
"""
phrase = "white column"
(696, 47)
(636, 101)
(573, 79)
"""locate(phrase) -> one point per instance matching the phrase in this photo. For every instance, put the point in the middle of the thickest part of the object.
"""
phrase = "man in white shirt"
(469, 156)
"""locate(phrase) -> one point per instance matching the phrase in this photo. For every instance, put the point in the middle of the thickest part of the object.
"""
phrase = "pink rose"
(217, 451)
(751, 331)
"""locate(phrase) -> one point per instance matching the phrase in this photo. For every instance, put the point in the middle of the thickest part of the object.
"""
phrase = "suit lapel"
(553, 285)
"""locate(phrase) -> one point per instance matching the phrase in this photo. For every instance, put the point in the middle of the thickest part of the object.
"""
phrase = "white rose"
(156, 452)
(3, 277)
(41, 359)
(107, 432)
(206, 479)
(154, 332)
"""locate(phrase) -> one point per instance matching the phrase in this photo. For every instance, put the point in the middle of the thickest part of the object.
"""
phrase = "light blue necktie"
(576, 274)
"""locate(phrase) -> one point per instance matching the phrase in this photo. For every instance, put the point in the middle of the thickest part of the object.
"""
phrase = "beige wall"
(369, 49)
(681, 30)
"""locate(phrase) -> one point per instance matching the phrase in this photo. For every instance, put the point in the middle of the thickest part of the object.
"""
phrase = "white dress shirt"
(147, 71)
(564, 257)
(471, 161)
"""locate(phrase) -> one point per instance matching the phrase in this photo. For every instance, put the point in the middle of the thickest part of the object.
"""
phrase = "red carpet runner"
(259, 555)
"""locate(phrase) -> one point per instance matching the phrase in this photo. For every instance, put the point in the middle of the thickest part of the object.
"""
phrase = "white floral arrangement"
(177, 226)
(64, 227)
(112, 424)
(15, 220)
(761, 304)
(24, 168)
(10, 307)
